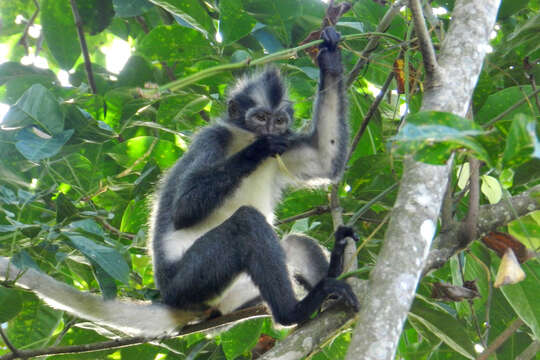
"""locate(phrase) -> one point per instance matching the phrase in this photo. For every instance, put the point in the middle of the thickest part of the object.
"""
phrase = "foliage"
(78, 168)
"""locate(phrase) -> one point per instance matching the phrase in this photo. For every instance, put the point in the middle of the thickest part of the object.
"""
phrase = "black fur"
(208, 175)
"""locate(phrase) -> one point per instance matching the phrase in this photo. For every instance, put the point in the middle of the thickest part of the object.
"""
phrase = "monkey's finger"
(330, 38)
(347, 295)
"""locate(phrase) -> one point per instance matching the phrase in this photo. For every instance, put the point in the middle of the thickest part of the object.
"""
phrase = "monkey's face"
(263, 121)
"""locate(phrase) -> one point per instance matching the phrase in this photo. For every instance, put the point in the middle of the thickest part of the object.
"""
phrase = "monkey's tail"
(130, 317)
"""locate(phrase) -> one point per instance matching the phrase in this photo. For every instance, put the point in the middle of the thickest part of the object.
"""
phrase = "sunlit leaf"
(36, 106)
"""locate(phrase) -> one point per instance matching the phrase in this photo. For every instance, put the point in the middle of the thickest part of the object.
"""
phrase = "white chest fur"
(259, 190)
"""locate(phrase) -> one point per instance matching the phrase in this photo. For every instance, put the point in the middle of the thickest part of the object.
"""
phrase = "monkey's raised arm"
(321, 154)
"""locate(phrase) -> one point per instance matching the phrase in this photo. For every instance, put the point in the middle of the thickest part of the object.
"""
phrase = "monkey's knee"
(248, 213)
(307, 261)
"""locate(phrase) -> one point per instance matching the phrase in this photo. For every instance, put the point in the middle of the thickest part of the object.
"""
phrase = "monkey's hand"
(267, 145)
(341, 290)
(344, 232)
(329, 58)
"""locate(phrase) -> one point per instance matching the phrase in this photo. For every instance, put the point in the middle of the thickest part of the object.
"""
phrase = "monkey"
(213, 243)
(212, 238)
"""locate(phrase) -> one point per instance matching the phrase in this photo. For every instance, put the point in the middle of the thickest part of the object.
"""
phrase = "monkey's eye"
(281, 120)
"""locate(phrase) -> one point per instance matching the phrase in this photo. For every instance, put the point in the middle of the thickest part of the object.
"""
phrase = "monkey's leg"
(246, 242)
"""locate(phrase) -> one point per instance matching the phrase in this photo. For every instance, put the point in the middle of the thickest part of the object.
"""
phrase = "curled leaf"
(510, 272)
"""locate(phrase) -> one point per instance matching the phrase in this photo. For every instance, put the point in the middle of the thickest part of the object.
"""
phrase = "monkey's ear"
(233, 108)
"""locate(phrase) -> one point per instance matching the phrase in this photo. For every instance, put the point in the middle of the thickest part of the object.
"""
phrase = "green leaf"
(164, 152)
(106, 282)
(136, 72)
(34, 325)
(523, 297)
(64, 208)
(177, 108)
(444, 326)
(434, 135)
(135, 216)
(108, 258)
(60, 32)
(88, 226)
(279, 14)
(510, 7)
(36, 106)
(11, 303)
(174, 43)
(500, 101)
(10, 10)
(96, 15)
(130, 8)
(234, 22)
(521, 142)
(35, 145)
(241, 338)
(191, 12)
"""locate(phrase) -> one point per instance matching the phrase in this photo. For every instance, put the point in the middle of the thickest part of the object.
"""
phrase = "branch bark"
(306, 339)
(410, 232)
(490, 217)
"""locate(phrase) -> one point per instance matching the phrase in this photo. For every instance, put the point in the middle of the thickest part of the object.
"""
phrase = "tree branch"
(14, 351)
(426, 46)
(84, 47)
(24, 37)
(315, 211)
(490, 217)
(501, 339)
(408, 238)
(306, 338)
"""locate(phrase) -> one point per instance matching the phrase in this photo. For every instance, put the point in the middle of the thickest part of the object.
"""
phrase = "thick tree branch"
(306, 338)
(426, 46)
(400, 264)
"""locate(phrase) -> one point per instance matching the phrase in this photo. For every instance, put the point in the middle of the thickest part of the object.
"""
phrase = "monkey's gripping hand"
(329, 58)
(331, 285)
(266, 146)
(337, 257)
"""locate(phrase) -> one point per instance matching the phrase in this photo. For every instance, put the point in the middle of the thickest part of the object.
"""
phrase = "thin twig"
(509, 331)
(84, 47)
(315, 211)
(490, 295)
(468, 229)
(112, 229)
(128, 171)
(510, 109)
(77, 349)
(22, 40)
(371, 111)
(10, 346)
(279, 55)
(426, 46)
(373, 42)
